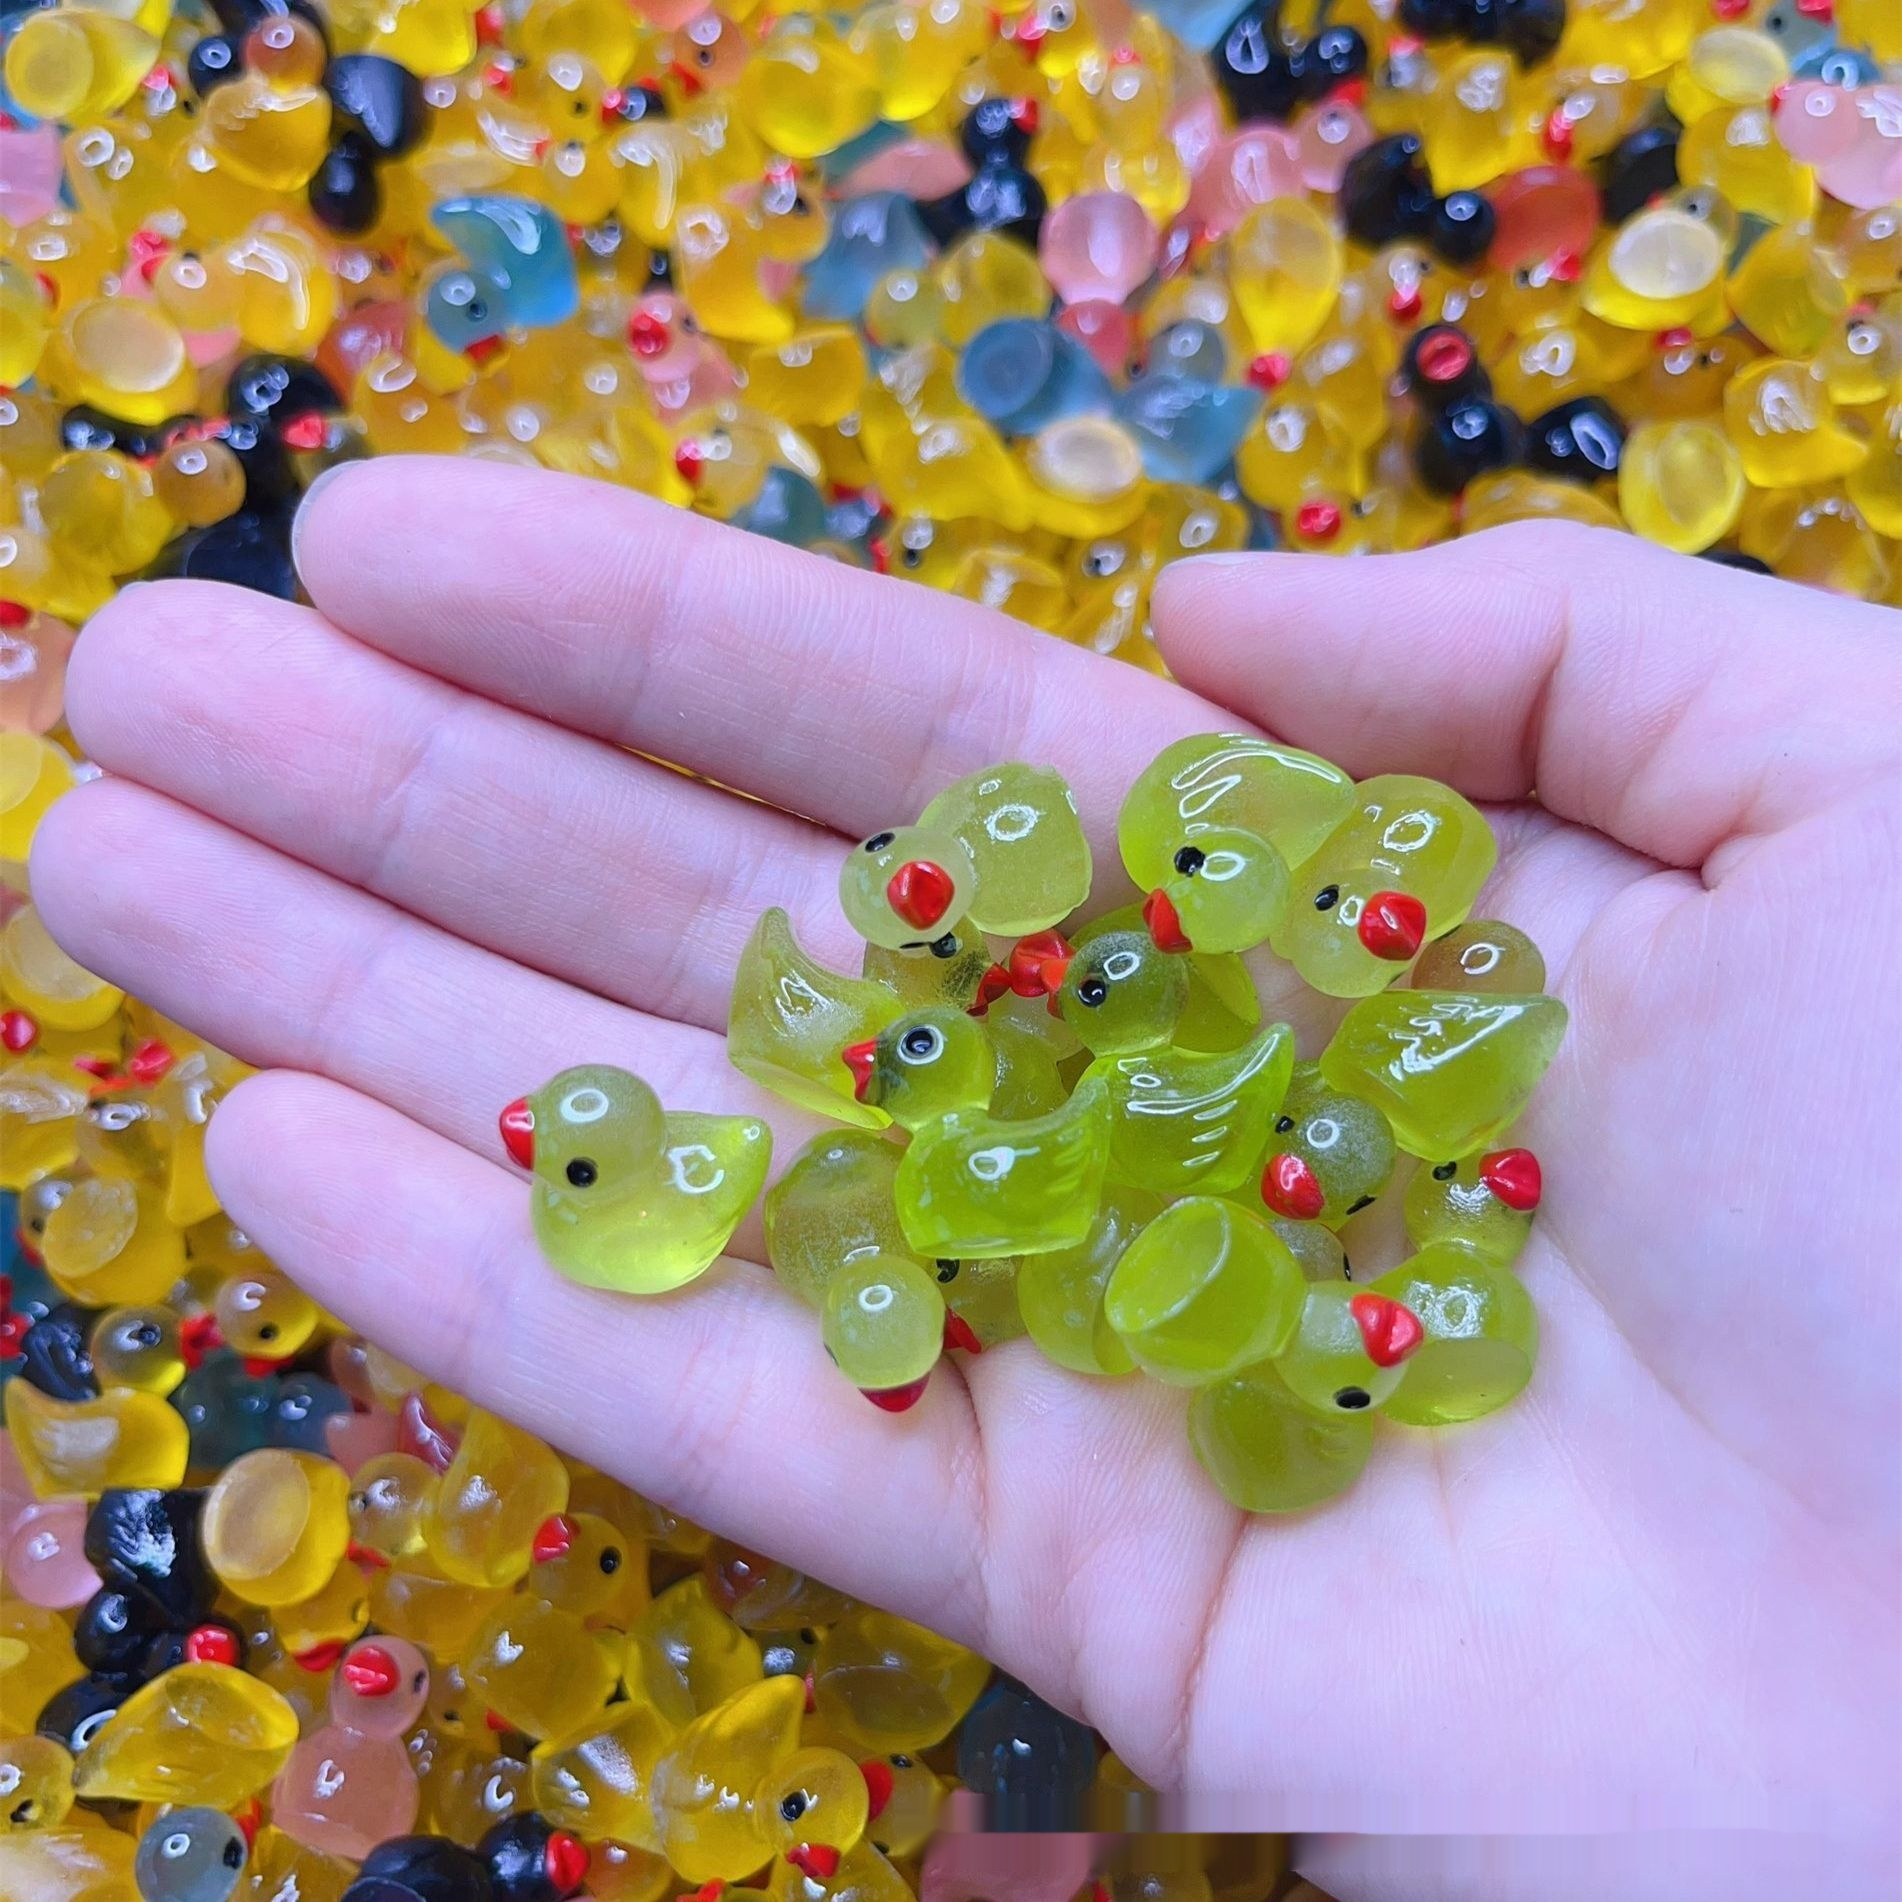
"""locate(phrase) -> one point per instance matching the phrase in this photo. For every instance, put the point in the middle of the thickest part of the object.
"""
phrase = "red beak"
(1165, 922)
(1037, 963)
(958, 1334)
(817, 1860)
(306, 431)
(517, 1124)
(1392, 925)
(482, 349)
(1053, 983)
(897, 1399)
(878, 1787)
(859, 1058)
(553, 1537)
(995, 983)
(687, 460)
(1289, 1187)
(210, 1644)
(565, 1862)
(1389, 1331)
(920, 893)
(370, 1671)
(648, 335)
(1514, 1176)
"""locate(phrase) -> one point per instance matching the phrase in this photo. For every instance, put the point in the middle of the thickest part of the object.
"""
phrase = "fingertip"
(246, 1116)
(310, 509)
(104, 661)
(292, 1118)
(138, 658)
(347, 518)
(79, 849)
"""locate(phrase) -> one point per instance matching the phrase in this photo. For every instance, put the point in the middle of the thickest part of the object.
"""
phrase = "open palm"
(394, 848)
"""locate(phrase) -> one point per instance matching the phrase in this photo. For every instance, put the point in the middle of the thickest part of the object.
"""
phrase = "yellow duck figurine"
(627, 1195)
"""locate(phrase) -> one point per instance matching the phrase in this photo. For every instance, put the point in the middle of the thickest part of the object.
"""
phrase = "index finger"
(845, 696)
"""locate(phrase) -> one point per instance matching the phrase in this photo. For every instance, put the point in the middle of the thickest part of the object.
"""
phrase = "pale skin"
(388, 847)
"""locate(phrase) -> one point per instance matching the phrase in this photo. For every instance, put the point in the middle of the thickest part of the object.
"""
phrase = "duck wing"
(1185, 1123)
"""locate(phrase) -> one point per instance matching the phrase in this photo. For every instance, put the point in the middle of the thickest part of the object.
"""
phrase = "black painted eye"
(233, 1856)
(1092, 991)
(610, 1559)
(947, 1268)
(146, 1334)
(878, 841)
(794, 1806)
(807, 1635)
(268, 1332)
(1352, 1399)
(582, 1173)
(1283, 1124)
(1446, 1172)
(945, 947)
(477, 309)
(1366, 1202)
(1327, 898)
(419, 1680)
(911, 557)
(901, 1763)
(1190, 860)
(920, 1043)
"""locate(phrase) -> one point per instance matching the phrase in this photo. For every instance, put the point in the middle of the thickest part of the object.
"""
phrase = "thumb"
(1670, 703)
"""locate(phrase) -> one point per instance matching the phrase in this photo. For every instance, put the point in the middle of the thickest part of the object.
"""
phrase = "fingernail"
(322, 480)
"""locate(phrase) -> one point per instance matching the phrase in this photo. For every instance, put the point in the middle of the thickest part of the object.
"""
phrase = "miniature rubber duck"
(627, 1195)
(349, 1783)
(1404, 865)
(519, 273)
(1026, 844)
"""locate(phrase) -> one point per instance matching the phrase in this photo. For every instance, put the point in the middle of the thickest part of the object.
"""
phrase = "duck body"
(975, 1187)
(627, 1195)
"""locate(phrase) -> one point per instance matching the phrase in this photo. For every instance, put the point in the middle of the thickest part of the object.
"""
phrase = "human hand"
(390, 848)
